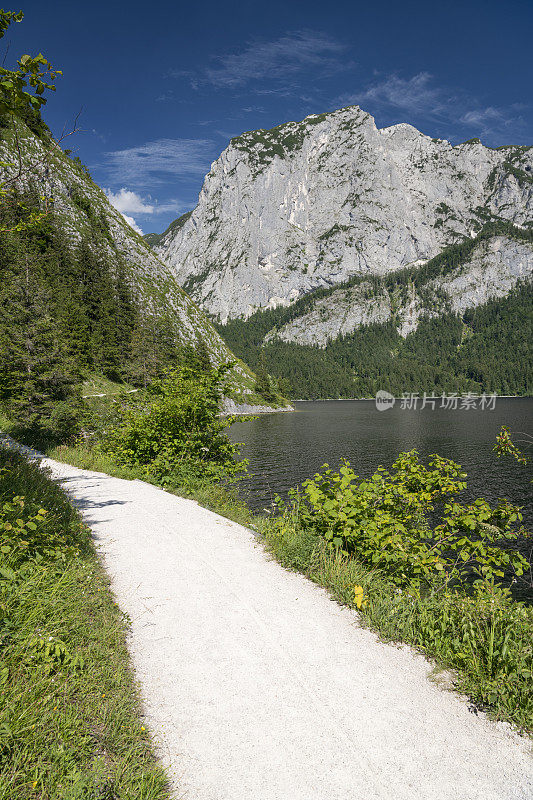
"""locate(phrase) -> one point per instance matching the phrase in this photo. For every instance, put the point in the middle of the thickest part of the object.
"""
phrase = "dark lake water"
(284, 449)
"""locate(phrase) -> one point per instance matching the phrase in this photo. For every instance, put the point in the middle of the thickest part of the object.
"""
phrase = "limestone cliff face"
(494, 268)
(315, 203)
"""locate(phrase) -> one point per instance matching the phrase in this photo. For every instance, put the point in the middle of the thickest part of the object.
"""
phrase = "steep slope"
(494, 265)
(313, 204)
(81, 207)
(483, 349)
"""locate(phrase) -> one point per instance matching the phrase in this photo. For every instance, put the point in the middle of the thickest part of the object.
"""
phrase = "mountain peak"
(312, 204)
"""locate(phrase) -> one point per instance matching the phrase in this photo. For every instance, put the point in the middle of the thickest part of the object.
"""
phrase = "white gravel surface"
(258, 687)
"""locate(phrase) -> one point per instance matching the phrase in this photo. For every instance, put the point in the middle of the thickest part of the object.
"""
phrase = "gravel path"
(258, 687)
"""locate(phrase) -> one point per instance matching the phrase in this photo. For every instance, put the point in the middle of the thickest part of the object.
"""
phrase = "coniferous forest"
(67, 311)
(485, 350)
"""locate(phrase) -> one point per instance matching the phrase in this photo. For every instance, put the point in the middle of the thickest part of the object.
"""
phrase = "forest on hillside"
(488, 349)
(68, 310)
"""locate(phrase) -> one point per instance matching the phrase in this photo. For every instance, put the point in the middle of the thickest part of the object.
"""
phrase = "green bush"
(408, 524)
(179, 432)
(36, 518)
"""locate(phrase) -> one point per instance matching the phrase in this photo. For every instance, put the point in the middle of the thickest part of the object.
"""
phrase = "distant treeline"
(449, 260)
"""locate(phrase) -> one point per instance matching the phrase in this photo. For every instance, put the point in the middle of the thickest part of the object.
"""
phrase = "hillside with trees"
(487, 349)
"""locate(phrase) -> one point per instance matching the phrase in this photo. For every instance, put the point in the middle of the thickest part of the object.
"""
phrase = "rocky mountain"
(81, 207)
(492, 266)
(347, 258)
(334, 200)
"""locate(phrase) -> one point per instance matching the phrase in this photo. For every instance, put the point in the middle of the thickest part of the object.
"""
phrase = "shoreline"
(428, 397)
(230, 408)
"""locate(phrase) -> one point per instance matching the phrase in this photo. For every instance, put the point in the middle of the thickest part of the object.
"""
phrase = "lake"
(284, 449)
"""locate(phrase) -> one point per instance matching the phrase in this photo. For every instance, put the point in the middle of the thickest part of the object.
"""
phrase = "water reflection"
(284, 449)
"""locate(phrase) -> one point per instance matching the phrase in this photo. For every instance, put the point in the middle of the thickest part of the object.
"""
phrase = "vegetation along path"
(257, 685)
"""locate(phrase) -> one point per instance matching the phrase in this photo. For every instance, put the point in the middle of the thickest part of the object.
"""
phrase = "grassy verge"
(71, 722)
(214, 496)
(485, 639)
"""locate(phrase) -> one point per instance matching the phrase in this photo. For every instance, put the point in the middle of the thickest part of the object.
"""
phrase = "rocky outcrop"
(315, 203)
(230, 408)
(494, 268)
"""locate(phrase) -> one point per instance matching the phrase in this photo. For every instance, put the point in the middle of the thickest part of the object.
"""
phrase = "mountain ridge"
(333, 235)
(311, 204)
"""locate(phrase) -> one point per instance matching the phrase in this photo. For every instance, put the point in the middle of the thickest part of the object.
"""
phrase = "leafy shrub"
(18, 528)
(179, 432)
(505, 447)
(36, 518)
(408, 524)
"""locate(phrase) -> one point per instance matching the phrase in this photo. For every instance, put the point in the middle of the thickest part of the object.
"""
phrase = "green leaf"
(7, 573)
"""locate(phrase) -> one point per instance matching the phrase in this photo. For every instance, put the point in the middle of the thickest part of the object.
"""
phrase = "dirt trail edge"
(258, 687)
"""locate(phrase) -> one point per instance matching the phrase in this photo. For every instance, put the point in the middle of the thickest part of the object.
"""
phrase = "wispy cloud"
(225, 134)
(153, 162)
(285, 91)
(280, 59)
(419, 97)
(175, 206)
(164, 97)
(492, 121)
(415, 95)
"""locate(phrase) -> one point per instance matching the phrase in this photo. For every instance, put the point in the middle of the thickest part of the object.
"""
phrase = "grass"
(95, 383)
(214, 496)
(71, 723)
(485, 640)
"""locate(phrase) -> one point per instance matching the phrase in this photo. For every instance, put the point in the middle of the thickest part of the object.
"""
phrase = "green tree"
(37, 377)
(263, 385)
(24, 87)
(154, 347)
(202, 355)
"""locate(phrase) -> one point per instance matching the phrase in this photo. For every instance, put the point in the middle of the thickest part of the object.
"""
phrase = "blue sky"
(163, 86)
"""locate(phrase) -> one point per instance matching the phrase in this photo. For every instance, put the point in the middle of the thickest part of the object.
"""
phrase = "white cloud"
(481, 116)
(133, 224)
(127, 201)
(153, 162)
(292, 53)
(495, 123)
(171, 205)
